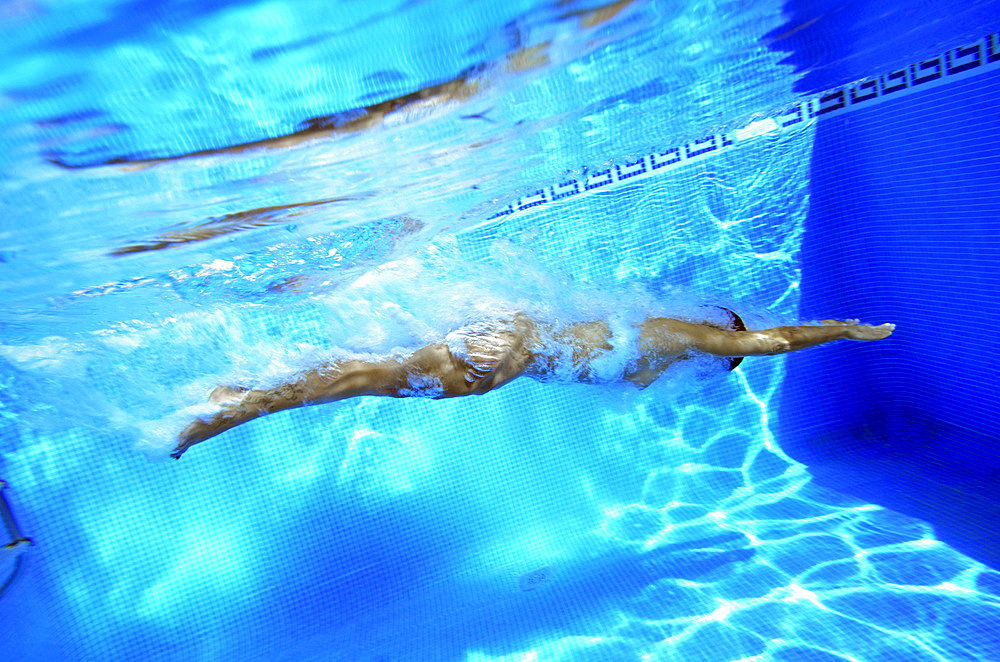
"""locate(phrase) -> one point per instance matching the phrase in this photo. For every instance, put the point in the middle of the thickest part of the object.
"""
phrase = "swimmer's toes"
(189, 436)
(182, 445)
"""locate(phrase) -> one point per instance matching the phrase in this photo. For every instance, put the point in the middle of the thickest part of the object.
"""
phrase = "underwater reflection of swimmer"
(469, 83)
(484, 356)
(394, 228)
(226, 224)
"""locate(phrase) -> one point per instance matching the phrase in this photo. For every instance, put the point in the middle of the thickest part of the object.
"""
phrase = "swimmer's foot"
(195, 432)
(201, 429)
(232, 412)
(854, 330)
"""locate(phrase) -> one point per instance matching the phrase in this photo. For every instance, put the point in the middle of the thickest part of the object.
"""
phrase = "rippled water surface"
(229, 193)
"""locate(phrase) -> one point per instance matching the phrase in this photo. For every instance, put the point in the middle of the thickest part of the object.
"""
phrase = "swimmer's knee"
(224, 395)
(437, 362)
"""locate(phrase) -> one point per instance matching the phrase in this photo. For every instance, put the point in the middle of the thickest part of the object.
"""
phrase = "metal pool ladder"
(13, 549)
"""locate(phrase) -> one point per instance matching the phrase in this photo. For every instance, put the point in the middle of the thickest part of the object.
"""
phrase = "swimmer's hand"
(855, 330)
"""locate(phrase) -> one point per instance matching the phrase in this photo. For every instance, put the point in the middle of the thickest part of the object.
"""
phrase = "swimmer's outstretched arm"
(663, 340)
(779, 340)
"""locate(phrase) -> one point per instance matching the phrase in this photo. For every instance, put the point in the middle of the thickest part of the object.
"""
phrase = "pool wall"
(566, 523)
(902, 227)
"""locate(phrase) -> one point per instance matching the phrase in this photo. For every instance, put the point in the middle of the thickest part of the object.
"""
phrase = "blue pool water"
(206, 193)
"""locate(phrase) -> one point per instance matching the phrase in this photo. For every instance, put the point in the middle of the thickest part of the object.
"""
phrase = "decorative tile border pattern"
(958, 62)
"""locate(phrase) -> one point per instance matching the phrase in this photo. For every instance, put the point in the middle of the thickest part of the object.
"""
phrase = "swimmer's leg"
(320, 385)
(432, 371)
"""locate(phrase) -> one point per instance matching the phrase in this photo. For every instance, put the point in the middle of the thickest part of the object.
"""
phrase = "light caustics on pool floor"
(727, 550)
(779, 569)
(715, 545)
(822, 578)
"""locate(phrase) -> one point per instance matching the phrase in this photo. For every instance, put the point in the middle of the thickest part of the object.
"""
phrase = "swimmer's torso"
(586, 352)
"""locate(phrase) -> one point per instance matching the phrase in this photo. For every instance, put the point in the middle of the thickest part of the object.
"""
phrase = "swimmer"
(484, 357)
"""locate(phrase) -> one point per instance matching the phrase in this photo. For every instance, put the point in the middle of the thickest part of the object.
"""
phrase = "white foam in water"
(161, 374)
(554, 522)
(149, 381)
(755, 129)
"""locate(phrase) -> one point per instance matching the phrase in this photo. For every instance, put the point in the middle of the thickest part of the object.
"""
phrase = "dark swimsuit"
(736, 324)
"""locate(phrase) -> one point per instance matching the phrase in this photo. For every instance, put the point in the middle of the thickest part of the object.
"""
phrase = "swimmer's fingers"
(855, 330)
(866, 332)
